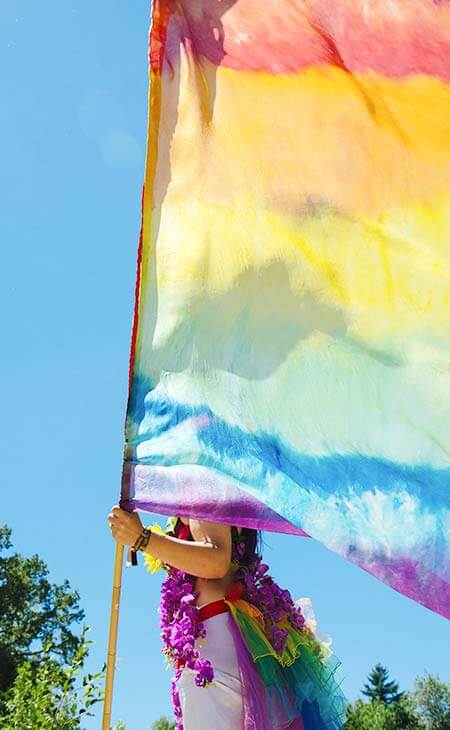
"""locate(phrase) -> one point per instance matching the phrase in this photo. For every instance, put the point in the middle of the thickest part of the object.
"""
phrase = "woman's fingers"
(114, 519)
(117, 531)
(125, 526)
(117, 514)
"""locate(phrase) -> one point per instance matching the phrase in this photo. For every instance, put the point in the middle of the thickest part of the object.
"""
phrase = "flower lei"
(181, 628)
(179, 622)
(274, 603)
(179, 616)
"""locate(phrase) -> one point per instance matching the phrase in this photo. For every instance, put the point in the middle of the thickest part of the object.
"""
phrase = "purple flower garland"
(273, 602)
(181, 625)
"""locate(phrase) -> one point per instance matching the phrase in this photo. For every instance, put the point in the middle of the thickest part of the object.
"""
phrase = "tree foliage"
(33, 612)
(163, 724)
(376, 715)
(42, 684)
(405, 714)
(431, 698)
(51, 695)
(388, 708)
(379, 688)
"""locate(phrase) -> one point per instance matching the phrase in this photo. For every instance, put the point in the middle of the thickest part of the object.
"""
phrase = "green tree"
(376, 715)
(388, 708)
(404, 714)
(163, 724)
(120, 726)
(33, 612)
(431, 698)
(373, 715)
(50, 695)
(380, 688)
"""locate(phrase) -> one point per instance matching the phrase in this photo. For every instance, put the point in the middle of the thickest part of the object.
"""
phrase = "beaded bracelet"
(140, 544)
(142, 541)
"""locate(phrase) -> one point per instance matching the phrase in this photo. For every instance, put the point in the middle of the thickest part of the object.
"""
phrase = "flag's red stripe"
(136, 297)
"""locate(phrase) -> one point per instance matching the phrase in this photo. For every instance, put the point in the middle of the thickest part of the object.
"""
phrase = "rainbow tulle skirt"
(297, 689)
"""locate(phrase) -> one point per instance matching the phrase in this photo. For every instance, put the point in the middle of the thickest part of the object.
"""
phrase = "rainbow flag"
(290, 355)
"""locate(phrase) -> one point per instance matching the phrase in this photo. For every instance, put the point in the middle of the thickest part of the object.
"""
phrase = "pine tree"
(379, 688)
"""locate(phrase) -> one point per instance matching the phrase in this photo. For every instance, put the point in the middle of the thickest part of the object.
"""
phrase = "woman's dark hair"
(250, 542)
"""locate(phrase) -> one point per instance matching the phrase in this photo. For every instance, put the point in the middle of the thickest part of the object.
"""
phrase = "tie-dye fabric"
(290, 356)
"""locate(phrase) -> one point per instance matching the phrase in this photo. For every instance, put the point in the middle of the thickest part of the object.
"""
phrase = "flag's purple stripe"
(406, 576)
(194, 491)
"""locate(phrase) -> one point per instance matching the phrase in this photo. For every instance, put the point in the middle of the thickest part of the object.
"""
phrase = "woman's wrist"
(142, 540)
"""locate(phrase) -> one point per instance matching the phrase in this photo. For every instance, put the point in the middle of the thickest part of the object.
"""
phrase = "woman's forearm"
(208, 556)
(202, 559)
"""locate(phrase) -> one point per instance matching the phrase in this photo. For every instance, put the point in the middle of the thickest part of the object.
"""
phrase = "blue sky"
(73, 127)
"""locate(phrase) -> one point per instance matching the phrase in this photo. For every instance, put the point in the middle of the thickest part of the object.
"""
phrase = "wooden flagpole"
(112, 642)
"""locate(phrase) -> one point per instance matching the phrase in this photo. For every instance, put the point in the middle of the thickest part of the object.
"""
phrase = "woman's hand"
(125, 526)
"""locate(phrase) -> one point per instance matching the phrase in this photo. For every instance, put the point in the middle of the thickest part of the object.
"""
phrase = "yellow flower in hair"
(153, 564)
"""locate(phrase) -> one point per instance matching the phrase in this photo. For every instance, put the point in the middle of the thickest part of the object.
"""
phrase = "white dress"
(219, 705)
